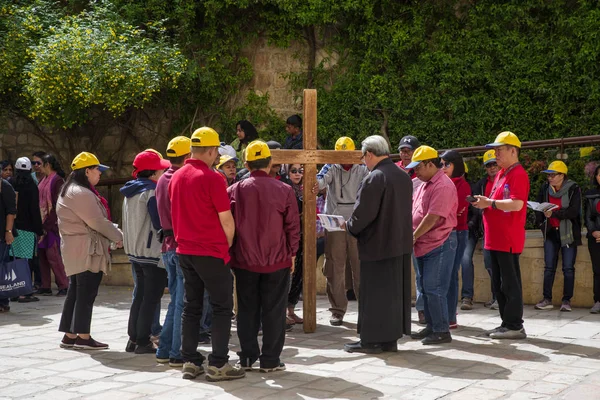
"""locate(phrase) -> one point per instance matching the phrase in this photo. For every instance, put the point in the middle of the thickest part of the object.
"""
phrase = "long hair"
(594, 182)
(77, 177)
(250, 133)
(50, 159)
(22, 178)
(456, 159)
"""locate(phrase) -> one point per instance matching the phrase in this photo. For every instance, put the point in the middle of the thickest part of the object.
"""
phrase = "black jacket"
(29, 217)
(7, 204)
(592, 217)
(475, 216)
(572, 212)
(382, 216)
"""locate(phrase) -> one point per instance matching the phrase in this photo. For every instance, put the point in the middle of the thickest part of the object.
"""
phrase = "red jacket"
(267, 224)
(463, 189)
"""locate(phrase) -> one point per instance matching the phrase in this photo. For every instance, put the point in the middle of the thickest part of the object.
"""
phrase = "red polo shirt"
(198, 194)
(505, 231)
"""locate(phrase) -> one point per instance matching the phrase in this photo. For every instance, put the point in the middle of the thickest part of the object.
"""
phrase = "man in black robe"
(381, 222)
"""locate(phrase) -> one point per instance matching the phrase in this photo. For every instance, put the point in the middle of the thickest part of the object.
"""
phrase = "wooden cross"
(310, 157)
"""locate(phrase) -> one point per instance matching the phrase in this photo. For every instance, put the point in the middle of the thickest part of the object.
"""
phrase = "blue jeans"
(418, 285)
(170, 336)
(468, 269)
(462, 237)
(156, 328)
(552, 246)
(435, 269)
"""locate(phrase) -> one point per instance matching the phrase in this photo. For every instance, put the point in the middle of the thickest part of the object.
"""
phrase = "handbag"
(15, 276)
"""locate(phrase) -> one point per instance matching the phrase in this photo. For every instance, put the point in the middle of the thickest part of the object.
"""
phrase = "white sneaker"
(596, 308)
(226, 373)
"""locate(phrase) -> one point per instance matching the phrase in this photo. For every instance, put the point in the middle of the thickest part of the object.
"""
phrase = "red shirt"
(505, 231)
(555, 222)
(489, 185)
(437, 197)
(463, 189)
(198, 194)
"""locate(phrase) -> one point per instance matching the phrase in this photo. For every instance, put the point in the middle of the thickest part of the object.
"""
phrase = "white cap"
(23, 163)
(227, 150)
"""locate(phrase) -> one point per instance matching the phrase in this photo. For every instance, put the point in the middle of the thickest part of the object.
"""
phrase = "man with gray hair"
(381, 221)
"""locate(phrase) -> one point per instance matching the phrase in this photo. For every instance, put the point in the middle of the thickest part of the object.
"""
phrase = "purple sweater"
(164, 208)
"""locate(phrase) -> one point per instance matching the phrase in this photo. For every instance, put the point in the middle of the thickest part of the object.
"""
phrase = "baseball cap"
(85, 159)
(205, 137)
(273, 145)
(23, 164)
(556, 167)
(410, 142)
(179, 146)
(149, 160)
(489, 157)
(421, 154)
(225, 158)
(227, 150)
(257, 150)
(345, 143)
(505, 138)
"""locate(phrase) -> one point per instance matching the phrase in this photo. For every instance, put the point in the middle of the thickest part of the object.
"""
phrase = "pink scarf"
(45, 189)
(103, 201)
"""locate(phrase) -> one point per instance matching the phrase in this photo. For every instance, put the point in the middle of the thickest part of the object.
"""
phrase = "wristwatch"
(494, 205)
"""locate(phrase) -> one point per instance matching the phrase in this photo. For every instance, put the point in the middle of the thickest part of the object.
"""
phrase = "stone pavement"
(560, 360)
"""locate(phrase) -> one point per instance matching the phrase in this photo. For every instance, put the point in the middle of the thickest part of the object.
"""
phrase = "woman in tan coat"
(86, 232)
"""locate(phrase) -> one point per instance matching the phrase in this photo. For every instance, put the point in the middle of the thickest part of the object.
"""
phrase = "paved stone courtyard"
(560, 360)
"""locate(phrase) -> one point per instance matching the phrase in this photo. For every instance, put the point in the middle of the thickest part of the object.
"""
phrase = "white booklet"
(332, 223)
(541, 207)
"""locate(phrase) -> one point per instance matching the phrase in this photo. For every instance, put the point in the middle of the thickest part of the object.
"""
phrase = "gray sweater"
(342, 187)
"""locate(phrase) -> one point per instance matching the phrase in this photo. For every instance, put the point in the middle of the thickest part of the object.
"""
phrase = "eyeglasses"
(491, 165)
(36, 162)
(445, 164)
(296, 171)
(552, 175)
(406, 151)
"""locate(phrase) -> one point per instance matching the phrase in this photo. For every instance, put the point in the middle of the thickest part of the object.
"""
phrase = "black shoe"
(390, 346)
(350, 295)
(28, 299)
(130, 348)
(289, 328)
(88, 344)
(176, 362)
(44, 292)
(204, 338)
(422, 334)
(437, 338)
(149, 348)
(61, 293)
(14, 299)
(359, 347)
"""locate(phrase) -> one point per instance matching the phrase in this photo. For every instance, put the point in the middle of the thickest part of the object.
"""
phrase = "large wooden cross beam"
(310, 157)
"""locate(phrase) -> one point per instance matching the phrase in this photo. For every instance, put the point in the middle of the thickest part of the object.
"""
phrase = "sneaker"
(44, 292)
(162, 360)
(422, 334)
(130, 347)
(496, 329)
(437, 338)
(453, 325)
(149, 348)
(27, 299)
(204, 338)
(244, 366)
(336, 320)
(505, 333)
(280, 367)
(88, 344)
(67, 342)
(191, 370)
(61, 293)
(467, 304)
(545, 304)
(176, 362)
(226, 373)
(596, 308)
(566, 306)
(422, 320)
(494, 305)
(289, 327)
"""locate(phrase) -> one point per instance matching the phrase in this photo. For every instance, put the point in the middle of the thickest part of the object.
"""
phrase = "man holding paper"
(381, 221)
(342, 183)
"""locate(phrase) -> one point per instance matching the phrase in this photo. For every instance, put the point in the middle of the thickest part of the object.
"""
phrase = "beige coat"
(85, 231)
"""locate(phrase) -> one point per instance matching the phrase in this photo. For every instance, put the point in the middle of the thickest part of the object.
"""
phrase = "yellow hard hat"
(85, 159)
(205, 137)
(556, 167)
(179, 146)
(345, 143)
(257, 150)
(489, 157)
(505, 138)
(422, 153)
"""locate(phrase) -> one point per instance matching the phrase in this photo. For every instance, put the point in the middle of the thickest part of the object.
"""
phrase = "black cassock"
(382, 223)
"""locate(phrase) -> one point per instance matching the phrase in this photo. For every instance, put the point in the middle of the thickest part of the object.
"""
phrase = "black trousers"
(297, 278)
(151, 282)
(506, 280)
(210, 273)
(79, 303)
(594, 249)
(262, 298)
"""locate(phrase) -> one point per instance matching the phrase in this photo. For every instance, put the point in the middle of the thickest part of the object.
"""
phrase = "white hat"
(23, 163)
(227, 150)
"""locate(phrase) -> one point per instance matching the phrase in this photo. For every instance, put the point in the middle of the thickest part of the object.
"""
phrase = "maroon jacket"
(267, 224)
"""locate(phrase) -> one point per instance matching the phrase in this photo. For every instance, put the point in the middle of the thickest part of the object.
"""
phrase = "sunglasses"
(491, 165)
(445, 164)
(296, 171)
(36, 162)
(552, 175)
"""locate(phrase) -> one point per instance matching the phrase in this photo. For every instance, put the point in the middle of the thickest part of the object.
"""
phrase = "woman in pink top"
(454, 167)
